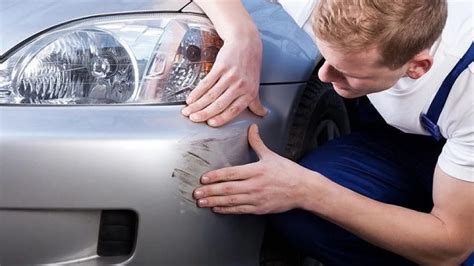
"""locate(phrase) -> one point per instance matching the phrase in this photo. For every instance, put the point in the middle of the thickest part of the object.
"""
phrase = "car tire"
(320, 116)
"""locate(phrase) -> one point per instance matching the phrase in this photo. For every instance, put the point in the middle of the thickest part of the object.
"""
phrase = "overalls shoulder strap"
(430, 119)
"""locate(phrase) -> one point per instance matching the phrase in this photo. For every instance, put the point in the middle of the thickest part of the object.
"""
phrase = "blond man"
(401, 192)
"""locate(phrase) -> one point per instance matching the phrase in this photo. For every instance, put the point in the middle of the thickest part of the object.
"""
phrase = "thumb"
(257, 143)
(257, 108)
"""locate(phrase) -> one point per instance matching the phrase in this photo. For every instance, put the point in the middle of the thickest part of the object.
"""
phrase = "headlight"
(122, 59)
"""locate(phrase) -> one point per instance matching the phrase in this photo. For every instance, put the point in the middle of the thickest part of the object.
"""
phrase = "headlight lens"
(117, 60)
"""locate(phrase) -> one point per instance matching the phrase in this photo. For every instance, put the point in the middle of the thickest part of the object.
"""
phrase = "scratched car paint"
(67, 170)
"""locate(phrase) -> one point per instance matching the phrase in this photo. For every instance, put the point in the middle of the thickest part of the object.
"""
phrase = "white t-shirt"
(401, 105)
(300, 11)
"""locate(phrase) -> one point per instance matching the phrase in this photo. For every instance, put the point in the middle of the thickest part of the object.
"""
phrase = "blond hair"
(400, 29)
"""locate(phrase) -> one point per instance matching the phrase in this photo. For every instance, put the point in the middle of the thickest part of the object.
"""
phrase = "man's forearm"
(421, 237)
(228, 16)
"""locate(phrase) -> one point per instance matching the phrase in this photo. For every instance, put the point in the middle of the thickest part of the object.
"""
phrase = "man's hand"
(271, 185)
(230, 87)
(232, 84)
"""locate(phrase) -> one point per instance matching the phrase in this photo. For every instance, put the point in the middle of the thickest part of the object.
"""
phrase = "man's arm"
(275, 184)
(232, 84)
(443, 237)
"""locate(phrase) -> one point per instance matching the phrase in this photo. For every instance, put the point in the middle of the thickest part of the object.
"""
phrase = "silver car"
(97, 164)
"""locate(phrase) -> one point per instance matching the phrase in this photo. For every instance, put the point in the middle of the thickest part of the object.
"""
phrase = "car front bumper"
(62, 165)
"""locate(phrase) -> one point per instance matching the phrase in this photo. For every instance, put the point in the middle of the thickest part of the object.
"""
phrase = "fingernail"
(194, 117)
(198, 193)
(185, 112)
(205, 179)
(189, 100)
(202, 203)
(212, 122)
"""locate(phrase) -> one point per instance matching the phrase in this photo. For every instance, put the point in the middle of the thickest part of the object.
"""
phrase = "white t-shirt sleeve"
(457, 157)
(453, 159)
(299, 10)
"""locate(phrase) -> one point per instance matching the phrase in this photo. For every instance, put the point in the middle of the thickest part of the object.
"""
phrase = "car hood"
(20, 20)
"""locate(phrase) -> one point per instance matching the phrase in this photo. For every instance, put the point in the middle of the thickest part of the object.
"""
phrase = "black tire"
(320, 116)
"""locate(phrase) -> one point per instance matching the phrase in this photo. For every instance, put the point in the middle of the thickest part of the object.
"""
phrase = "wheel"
(320, 117)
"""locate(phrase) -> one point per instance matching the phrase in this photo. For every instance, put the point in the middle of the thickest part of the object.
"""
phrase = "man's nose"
(328, 74)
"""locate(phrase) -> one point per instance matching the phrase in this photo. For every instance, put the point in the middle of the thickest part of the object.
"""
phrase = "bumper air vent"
(117, 233)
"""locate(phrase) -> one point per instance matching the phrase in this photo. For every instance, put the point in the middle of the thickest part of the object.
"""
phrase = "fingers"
(226, 181)
(234, 173)
(257, 143)
(222, 110)
(242, 209)
(257, 108)
(231, 204)
(226, 201)
(205, 84)
(211, 96)
(222, 189)
(221, 104)
(232, 111)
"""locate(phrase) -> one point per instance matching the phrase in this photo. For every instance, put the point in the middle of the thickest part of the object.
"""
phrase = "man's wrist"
(230, 30)
(314, 192)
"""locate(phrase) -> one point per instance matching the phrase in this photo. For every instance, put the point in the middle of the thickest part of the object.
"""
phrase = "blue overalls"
(381, 163)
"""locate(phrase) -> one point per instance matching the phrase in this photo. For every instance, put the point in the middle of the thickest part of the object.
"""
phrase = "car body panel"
(60, 166)
(66, 163)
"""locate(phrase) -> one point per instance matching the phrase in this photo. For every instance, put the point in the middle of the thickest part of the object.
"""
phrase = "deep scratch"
(198, 157)
(180, 173)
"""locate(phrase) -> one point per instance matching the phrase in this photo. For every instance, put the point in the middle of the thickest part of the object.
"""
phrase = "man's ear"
(419, 64)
